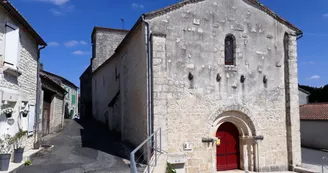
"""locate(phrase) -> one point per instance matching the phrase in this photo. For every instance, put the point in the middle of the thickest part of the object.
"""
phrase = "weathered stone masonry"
(194, 42)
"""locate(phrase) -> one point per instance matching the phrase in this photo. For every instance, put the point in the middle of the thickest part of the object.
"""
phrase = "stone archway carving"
(243, 120)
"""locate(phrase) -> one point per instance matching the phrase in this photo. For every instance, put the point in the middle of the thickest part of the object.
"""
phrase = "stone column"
(295, 143)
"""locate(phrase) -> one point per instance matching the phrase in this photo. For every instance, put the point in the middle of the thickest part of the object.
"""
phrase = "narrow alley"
(84, 146)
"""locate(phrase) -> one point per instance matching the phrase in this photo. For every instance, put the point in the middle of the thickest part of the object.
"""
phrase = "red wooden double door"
(227, 153)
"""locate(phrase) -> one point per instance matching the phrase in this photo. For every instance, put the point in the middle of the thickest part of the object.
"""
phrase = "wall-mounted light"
(207, 140)
(190, 76)
(259, 138)
(218, 77)
(242, 78)
(265, 79)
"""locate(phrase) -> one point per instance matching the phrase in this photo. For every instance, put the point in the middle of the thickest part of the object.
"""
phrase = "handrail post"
(160, 139)
(133, 163)
(155, 147)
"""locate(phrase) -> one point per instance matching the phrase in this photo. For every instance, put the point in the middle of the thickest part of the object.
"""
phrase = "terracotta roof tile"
(318, 111)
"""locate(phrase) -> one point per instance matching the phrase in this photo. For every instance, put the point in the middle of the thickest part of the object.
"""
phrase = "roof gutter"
(37, 132)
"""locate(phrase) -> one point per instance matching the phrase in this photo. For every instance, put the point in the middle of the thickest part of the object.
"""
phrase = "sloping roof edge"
(99, 28)
(19, 17)
(62, 90)
(303, 90)
(255, 3)
(62, 78)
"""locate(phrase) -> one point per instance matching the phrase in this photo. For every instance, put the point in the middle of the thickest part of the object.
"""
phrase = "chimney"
(41, 66)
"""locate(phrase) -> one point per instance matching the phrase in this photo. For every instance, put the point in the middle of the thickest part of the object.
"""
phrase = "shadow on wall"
(96, 135)
(66, 111)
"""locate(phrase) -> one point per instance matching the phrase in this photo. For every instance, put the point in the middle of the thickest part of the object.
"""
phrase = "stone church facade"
(224, 85)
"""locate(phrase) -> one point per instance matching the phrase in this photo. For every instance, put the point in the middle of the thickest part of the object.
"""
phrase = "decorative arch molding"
(239, 115)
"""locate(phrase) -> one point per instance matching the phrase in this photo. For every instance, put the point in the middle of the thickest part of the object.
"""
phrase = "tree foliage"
(317, 94)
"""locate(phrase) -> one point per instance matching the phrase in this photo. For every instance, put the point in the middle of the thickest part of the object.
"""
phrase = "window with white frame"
(11, 45)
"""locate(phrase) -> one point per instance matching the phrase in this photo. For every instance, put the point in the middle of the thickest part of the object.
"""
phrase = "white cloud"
(314, 77)
(83, 42)
(62, 10)
(56, 2)
(53, 43)
(73, 43)
(137, 6)
(79, 52)
(325, 15)
(307, 63)
(56, 12)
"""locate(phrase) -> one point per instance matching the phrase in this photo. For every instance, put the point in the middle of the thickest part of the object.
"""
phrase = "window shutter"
(73, 99)
(11, 45)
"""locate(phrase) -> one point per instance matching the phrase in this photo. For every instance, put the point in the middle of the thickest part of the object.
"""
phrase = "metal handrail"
(148, 140)
(323, 163)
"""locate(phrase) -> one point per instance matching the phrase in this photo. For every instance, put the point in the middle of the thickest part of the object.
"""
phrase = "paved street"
(82, 147)
(312, 159)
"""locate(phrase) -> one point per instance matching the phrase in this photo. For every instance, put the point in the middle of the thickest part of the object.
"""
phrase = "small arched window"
(229, 54)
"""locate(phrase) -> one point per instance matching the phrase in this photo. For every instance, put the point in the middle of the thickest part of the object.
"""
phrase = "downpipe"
(150, 90)
(37, 104)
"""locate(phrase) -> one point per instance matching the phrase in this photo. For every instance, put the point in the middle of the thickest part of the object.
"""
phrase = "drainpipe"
(37, 104)
(150, 80)
(149, 90)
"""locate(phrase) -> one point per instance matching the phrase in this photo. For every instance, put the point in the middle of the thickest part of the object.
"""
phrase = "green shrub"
(169, 169)
(28, 163)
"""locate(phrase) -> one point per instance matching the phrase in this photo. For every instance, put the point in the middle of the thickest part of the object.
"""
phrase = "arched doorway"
(227, 152)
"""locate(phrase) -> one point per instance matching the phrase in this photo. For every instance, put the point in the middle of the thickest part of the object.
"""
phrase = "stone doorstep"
(241, 171)
(13, 167)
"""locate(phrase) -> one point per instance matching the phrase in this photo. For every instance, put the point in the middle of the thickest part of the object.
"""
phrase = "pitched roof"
(254, 3)
(98, 28)
(53, 83)
(317, 111)
(19, 17)
(59, 77)
(178, 5)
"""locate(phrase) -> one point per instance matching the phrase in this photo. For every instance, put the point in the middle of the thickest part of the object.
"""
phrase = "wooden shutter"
(31, 120)
(73, 99)
(11, 45)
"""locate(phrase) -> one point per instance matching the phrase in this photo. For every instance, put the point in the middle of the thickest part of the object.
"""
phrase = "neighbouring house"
(19, 60)
(303, 96)
(71, 107)
(219, 77)
(104, 43)
(53, 104)
(314, 125)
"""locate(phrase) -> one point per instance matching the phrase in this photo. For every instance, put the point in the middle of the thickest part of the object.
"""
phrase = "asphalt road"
(82, 147)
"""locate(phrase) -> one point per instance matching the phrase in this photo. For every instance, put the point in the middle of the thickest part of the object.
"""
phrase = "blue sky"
(66, 25)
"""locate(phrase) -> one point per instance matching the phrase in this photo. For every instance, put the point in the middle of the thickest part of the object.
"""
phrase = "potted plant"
(24, 112)
(8, 112)
(17, 143)
(5, 149)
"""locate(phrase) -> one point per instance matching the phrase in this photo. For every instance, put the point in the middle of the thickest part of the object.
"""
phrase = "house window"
(11, 45)
(229, 54)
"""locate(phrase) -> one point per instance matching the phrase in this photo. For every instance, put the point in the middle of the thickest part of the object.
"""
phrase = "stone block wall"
(105, 41)
(57, 115)
(25, 84)
(133, 87)
(105, 85)
(192, 41)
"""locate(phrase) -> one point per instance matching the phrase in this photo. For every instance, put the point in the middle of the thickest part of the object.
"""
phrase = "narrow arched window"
(229, 54)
